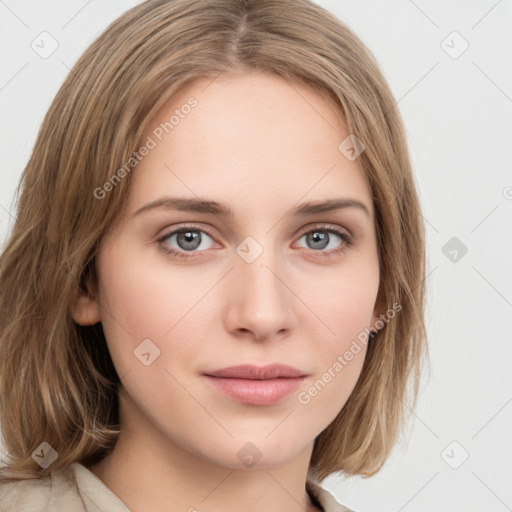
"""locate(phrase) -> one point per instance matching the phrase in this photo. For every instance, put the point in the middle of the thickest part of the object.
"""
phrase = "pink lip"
(257, 385)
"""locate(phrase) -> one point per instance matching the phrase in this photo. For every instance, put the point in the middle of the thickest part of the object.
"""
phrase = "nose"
(259, 300)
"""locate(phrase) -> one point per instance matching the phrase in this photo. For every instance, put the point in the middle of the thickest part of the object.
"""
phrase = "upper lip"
(247, 371)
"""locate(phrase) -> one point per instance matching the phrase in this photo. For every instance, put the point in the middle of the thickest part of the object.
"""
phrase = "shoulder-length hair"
(57, 381)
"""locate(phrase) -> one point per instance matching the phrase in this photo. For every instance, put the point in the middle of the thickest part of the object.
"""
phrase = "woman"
(213, 292)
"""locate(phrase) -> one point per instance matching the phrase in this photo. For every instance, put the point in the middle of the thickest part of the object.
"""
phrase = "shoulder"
(72, 489)
(325, 498)
(54, 492)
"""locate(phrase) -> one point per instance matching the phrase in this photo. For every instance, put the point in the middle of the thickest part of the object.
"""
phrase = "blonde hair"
(57, 380)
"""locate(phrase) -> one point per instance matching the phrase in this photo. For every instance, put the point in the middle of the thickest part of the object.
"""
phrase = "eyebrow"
(199, 205)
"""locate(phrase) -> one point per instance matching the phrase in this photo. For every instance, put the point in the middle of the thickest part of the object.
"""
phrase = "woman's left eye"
(194, 239)
(321, 237)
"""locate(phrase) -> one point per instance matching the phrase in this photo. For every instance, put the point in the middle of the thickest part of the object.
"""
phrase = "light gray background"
(457, 110)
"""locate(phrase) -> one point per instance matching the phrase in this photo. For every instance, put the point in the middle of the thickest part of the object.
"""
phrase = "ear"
(85, 309)
(377, 312)
(373, 329)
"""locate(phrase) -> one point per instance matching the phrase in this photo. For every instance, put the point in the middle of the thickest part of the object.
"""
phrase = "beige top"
(76, 489)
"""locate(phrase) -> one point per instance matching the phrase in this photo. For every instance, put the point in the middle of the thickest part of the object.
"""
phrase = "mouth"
(254, 385)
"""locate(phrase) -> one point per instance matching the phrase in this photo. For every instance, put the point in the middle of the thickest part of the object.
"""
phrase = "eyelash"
(346, 239)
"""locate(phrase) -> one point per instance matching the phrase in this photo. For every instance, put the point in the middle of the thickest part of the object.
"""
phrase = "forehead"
(252, 139)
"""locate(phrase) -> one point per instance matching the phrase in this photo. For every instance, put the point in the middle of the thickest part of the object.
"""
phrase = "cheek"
(345, 306)
(143, 298)
(338, 358)
(342, 298)
(134, 306)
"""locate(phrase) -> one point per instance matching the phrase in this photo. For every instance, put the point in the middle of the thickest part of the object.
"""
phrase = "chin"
(255, 452)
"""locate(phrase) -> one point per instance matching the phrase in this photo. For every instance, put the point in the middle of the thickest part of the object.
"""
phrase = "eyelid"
(323, 225)
(208, 231)
(183, 227)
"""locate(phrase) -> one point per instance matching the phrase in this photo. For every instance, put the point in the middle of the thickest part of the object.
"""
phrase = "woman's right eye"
(185, 240)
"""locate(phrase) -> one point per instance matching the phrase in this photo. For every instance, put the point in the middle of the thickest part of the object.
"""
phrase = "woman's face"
(261, 285)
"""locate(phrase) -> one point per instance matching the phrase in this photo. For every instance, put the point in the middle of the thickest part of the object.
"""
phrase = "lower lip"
(257, 392)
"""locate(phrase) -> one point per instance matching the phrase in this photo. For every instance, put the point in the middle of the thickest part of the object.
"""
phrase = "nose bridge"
(261, 301)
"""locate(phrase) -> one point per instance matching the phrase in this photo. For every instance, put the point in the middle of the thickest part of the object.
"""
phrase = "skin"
(261, 145)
